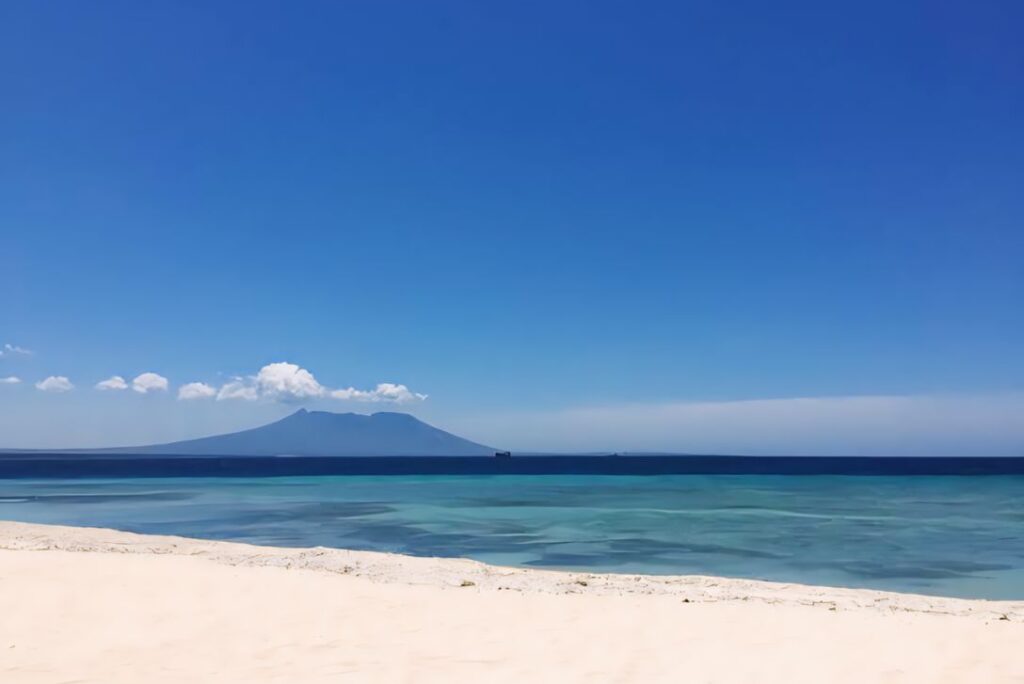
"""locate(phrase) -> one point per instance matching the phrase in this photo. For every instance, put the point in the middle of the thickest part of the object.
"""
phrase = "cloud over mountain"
(114, 382)
(149, 382)
(55, 383)
(280, 382)
(288, 382)
(239, 388)
(385, 391)
(196, 390)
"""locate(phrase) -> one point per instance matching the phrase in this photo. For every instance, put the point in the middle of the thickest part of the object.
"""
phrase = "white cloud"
(385, 391)
(196, 390)
(10, 380)
(55, 383)
(149, 382)
(288, 382)
(238, 389)
(11, 349)
(114, 382)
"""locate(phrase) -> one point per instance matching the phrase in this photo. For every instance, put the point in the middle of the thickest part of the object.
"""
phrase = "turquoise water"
(954, 536)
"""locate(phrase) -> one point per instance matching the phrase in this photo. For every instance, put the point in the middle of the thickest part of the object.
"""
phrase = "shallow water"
(953, 536)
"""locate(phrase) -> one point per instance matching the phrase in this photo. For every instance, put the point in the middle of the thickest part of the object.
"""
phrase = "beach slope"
(89, 605)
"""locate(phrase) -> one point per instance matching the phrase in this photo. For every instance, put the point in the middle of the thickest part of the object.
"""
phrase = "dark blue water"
(955, 536)
(135, 465)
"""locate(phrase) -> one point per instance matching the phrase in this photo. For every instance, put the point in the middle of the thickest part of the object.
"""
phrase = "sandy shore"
(90, 605)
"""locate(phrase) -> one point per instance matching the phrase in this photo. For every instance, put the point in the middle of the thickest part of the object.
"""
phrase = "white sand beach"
(91, 605)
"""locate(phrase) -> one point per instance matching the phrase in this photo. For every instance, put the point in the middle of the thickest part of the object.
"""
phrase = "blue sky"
(529, 213)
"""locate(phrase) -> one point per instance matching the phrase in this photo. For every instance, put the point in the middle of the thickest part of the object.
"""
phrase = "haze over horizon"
(683, 227)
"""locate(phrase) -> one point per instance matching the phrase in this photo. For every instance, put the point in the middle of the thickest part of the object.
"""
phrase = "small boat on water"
(502, 454)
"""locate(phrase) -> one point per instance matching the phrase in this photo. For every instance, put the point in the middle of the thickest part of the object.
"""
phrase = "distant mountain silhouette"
(321, 433)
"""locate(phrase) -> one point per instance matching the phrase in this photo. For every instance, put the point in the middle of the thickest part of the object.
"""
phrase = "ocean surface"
(951, 535)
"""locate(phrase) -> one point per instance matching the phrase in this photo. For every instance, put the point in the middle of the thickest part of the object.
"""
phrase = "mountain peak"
(325, 433)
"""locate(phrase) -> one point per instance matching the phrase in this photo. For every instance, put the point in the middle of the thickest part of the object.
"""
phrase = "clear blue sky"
(523, 211)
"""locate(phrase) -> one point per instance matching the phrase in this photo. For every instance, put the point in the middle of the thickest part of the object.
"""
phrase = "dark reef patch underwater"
(954, 536)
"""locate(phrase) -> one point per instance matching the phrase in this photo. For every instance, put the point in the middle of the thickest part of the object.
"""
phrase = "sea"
(950, 535)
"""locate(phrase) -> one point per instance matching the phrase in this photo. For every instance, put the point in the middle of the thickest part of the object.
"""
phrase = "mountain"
(321, 433)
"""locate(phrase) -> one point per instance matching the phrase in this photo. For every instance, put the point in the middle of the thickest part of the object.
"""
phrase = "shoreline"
(398, 568)
(99, 605)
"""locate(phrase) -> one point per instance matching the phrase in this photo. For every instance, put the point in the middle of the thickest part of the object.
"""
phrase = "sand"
(90, 605)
